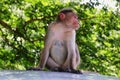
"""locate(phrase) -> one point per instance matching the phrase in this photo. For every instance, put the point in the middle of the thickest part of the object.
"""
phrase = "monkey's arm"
(45, 53)
(70, 46)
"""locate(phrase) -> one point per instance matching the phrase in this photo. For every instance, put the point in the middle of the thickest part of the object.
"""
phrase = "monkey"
(60, 52)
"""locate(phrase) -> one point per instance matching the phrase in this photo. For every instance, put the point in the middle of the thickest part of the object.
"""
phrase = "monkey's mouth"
(76, 25)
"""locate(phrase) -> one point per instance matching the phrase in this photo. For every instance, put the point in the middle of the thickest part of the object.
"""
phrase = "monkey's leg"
(77, 55)
(51, 64)
(74, 62)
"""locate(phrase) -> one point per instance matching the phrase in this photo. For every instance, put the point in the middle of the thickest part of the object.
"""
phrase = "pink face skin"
(72, 20)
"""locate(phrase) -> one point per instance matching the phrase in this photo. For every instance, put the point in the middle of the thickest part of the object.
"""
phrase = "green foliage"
(23, 24)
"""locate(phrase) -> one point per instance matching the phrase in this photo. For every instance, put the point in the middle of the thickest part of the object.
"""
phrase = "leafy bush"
(23, 25)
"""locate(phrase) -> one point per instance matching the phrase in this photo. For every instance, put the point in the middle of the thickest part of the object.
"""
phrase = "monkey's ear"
(62, 16)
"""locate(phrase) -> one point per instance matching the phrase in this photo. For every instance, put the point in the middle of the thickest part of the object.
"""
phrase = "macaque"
(60, 51)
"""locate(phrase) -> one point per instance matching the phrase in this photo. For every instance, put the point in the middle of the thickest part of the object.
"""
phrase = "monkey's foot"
(57, 69)
(73, 71)
(35, 69)
(76, 71)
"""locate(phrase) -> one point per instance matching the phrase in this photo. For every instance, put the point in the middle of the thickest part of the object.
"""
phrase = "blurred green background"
(23, 24)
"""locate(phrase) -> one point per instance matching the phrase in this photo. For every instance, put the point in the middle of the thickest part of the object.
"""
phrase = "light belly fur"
(58, 54)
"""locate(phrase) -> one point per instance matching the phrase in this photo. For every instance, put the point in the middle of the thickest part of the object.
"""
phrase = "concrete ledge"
(46, 75)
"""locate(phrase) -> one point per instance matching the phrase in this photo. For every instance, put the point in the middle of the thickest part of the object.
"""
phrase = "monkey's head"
(69, 17)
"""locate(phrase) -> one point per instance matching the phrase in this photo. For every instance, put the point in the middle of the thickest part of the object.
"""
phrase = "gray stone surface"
(45, 75)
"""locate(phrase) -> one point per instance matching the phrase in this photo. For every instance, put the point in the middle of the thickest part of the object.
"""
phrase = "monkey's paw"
(77, 71)
(57, 69)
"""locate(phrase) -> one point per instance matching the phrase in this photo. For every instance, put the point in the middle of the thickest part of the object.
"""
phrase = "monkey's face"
(72, 20)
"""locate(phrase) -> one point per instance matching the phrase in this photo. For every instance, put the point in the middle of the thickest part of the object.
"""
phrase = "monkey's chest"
(58, 51)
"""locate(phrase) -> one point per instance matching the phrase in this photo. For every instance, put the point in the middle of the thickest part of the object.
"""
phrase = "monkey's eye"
(75, 16)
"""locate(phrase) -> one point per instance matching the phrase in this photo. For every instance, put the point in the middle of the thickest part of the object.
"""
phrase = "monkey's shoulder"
(52, 24)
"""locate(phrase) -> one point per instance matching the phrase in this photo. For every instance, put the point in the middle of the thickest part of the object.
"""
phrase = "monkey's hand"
(65, 65)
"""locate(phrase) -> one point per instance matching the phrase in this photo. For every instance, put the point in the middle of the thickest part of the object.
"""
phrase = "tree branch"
(6, 25)
(88, 18)
(31, 20)
(37, 19)
(15, 32)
